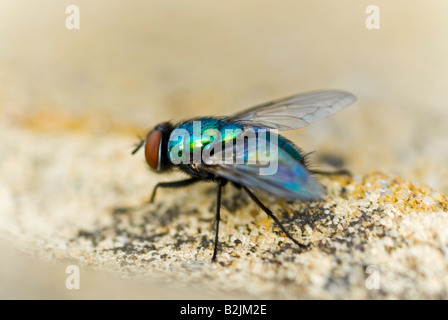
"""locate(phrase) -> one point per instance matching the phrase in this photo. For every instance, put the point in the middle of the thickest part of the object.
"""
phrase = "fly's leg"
(340, 172)
(270, 214)
(221, 184)
(172, 184)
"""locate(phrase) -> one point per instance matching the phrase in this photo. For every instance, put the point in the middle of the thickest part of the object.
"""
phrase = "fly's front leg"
(172, 184)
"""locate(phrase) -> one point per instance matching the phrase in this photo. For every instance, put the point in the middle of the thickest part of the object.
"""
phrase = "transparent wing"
(282, 176)
(296, 111)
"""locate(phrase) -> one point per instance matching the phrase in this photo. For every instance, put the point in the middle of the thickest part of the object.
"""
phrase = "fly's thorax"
(190, 139)
(211, 141)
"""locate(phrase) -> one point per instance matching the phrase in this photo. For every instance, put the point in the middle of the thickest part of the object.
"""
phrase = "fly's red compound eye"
(152, 149)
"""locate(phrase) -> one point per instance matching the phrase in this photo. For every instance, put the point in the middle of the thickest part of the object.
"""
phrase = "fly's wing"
(296, 111)
(284, 176)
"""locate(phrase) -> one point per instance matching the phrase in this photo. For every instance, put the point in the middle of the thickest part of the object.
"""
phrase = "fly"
(225, 150)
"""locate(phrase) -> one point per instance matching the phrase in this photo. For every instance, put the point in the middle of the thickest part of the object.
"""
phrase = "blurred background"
(134, 64)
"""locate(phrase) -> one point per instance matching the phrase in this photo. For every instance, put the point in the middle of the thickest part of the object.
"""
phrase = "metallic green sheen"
(196, 129)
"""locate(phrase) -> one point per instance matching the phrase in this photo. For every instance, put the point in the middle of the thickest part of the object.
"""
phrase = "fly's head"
(156, 147)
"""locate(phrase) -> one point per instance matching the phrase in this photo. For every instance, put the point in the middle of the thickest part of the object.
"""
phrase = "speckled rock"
(373, 220)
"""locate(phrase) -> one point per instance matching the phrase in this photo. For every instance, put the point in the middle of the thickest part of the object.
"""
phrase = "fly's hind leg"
(339, 172)
(270, 214)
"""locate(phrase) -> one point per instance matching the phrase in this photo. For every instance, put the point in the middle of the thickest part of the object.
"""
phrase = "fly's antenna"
(138, 146)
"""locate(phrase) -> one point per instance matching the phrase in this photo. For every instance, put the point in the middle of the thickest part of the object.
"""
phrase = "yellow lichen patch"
(254, 212)
(406, 195)
(265, 222)
(402, 194)
(47, 119)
